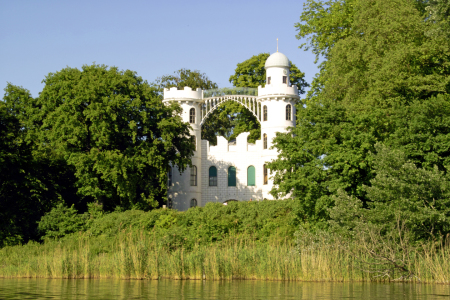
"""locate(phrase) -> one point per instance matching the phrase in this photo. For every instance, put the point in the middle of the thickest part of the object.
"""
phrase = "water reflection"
(172, 289)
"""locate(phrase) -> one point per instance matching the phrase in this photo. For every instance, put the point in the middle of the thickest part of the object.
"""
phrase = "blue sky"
(153, 38)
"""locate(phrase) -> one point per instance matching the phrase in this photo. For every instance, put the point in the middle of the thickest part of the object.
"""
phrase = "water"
(173, 289)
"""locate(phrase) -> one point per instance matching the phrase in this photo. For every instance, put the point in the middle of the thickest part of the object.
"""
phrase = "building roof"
(277, 59)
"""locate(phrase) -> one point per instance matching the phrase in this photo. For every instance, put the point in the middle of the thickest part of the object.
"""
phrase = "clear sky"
(153, 38)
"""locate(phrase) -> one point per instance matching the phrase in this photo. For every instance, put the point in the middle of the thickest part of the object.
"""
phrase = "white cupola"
(277, 70)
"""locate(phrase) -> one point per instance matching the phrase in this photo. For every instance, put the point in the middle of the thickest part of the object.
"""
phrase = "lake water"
(176, 289)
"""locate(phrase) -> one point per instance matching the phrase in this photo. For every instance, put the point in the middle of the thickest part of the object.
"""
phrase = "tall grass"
(139, 254)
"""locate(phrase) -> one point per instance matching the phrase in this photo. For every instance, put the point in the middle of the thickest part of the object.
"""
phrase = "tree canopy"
(381, 81)
(251, 73)
(185, 77)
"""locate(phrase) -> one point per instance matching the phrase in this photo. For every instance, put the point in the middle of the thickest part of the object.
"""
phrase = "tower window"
(251, 176)
(266, 179)
(288, 112)
(231, 176)
(212, 176)
(284, 79)
(193, 202)
(194, 142)
(268, 80)
(264, 113)
(192, 115)
(265, 140)
(193, 176)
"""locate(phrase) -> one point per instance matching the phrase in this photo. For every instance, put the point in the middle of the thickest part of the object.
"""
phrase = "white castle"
(236, 170)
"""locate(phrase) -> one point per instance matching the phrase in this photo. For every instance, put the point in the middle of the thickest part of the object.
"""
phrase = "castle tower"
(184, 189)
(278, 110)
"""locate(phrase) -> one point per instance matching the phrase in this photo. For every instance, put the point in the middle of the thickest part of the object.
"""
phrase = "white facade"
(275, 97)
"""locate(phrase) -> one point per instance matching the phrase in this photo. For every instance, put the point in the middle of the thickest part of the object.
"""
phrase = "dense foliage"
(383, 80)
(93, 135)
(262, 221)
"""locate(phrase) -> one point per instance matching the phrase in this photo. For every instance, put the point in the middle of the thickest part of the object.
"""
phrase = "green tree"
(251, 73)
(26, 192)
(438, 12)
(379, 66)
(185, 77)
(400, 190)
(113, 129)
(61, 221)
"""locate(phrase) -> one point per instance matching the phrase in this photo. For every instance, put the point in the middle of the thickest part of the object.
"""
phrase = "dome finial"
(277, 44)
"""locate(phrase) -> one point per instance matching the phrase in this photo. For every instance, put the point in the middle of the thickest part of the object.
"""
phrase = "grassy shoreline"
(138, 254)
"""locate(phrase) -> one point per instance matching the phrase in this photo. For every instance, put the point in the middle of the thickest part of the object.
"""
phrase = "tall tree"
(379, 64)
(114, 130)
(31, 182)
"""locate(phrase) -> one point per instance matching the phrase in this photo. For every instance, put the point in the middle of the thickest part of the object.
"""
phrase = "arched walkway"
(250, 102)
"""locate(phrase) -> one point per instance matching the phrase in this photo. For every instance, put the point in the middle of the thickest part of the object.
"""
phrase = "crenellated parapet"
(187, 94)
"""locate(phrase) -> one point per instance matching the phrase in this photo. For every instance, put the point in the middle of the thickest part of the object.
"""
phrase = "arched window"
(193, 202)
(169, 203)
(212, 176)
(194, 142)
(264, 113)
(284, 79)
(169, 177)
(192, 115)
(231, 176)
(193, 176)
(265, 140)
(266, 179)
(251, 176)
(288, 112)
(268, 80)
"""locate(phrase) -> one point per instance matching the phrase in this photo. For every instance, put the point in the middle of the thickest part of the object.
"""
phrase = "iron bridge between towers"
(247, 97)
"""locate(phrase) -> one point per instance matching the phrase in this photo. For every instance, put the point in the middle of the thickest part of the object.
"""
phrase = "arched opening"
(231, 176)
(251, 176)
(227, 118)
(212, 176)
(194, 142)
(265, 113)
(229, 201)
(193, 202)
(265, 141)
(192, 115)
(288, 112)
(266, 177)
(193, 176)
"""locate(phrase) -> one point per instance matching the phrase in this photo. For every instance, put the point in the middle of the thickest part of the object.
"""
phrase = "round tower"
(184, 189)
(278, 99)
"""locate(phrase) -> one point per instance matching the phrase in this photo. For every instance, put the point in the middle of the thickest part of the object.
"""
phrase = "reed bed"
(138, 254)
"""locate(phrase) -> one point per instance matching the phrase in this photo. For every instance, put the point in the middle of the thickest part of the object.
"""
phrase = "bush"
(61, 221)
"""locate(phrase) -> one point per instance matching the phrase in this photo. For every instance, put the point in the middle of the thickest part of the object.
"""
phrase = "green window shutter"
(212, 172)
(251, 176)
(231, 176)
(212, 176)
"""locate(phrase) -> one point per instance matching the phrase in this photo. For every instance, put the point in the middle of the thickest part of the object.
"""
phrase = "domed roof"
(277, 59)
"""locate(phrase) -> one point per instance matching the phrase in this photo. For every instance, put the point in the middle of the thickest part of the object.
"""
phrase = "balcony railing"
(230, 91)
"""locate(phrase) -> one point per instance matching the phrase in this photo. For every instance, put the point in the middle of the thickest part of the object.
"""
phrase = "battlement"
(277, 90)
(186, 94)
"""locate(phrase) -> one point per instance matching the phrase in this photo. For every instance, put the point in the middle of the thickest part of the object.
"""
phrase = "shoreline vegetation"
(235, 242)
